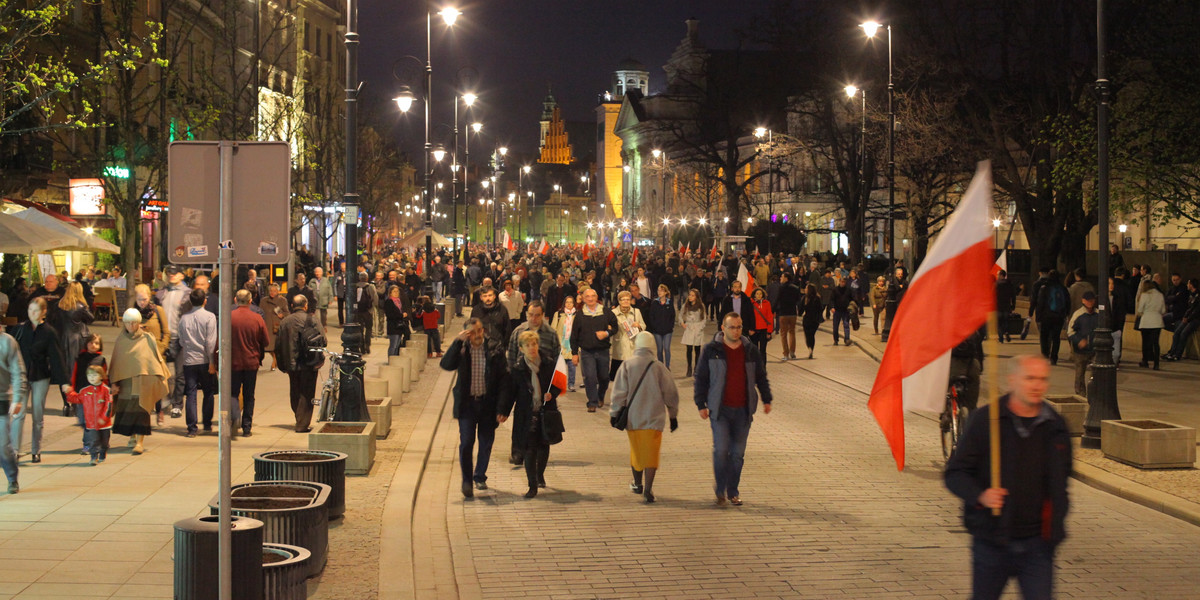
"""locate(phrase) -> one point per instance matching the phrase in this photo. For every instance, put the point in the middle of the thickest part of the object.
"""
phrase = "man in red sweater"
(248, 342)
(729, 378)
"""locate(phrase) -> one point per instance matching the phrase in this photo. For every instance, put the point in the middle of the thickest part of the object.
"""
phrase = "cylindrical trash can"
(284, 571)
(196, 561)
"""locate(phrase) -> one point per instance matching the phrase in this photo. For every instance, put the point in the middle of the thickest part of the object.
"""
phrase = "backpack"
(312, 341)
(1057, 300)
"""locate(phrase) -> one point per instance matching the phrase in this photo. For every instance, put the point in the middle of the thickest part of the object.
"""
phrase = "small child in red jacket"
(430, 318)
(95, 400)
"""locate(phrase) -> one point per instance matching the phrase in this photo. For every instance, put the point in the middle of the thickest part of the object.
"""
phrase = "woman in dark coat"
(92, 354)
(73, 320)
(811, 308)
(520, 393)
(275, 308)
(44, 366)
(396, 310)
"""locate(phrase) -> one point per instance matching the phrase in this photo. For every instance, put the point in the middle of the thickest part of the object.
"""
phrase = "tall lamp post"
(1102, 391)
(760, 133)
(497, 172)
(871, 28)
(524, 171)
(457, 192)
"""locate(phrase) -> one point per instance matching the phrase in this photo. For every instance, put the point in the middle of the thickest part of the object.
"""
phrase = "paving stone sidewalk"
(826, 515)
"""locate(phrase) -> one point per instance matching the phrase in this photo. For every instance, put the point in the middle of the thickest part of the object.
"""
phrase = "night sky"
(520, 46)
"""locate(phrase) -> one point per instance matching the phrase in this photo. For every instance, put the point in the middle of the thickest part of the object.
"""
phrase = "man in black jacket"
(787, 306)
(480, 375)
(737, 302)
(495, 320)
(1032, 499)
(590, 342)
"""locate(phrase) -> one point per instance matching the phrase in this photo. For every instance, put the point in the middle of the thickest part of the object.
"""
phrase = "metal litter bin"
(196, 576)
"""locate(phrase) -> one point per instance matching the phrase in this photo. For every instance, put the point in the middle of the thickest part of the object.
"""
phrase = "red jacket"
(764, 319)
(248, 339)
(96, 403)
(430, 319)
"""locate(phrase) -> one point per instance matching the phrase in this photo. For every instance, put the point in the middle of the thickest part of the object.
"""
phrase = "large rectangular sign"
(87, 197)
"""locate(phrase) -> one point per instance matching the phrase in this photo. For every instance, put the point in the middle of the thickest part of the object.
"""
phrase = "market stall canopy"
(20, 236)
(418, 239)
(80, 240)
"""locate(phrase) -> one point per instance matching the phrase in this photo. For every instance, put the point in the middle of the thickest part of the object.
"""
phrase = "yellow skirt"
(644, 445)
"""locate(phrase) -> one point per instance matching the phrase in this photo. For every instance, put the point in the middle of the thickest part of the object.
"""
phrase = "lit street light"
(871, 28)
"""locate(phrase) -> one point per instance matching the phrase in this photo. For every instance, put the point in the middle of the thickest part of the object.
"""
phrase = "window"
(329, 45)
(307, 38)
(318, 48)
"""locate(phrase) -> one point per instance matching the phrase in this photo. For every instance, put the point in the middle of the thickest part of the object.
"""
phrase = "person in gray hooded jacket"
(647, 387)
(13, 385)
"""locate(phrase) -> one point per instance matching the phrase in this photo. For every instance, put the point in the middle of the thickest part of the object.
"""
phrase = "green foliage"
(12, 268)
(104, 260)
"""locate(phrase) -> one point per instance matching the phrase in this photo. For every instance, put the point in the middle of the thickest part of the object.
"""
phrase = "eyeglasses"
(733, 327)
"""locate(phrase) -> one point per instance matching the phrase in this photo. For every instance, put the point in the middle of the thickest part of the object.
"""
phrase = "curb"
(1149, 497)
(397, 578)
(1102, 480)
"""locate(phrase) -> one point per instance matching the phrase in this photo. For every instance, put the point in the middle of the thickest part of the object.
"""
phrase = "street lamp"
(760, 133)
(457, 193)
(521, 174)
(871, 28)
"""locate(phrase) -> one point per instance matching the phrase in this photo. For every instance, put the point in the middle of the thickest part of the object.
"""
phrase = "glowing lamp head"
(526, 169)
(656, 153)
(405, 100)
(449, 15)
(626, 168)
(477, 127)
(639, 223)
(996, 223)
(703, 221)
(503, 151)
(469, 98)
(851, 91)
(871, 28)
(439, 153)
(666, 221)
(760, 132)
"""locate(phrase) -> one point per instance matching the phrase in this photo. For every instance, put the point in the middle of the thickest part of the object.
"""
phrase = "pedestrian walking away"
(645, 386)
(729, 378)
(1031, 499)
(480, 378)
(299, 362)
(248, 341)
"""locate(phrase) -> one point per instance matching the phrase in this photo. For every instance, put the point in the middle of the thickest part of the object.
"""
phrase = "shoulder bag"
(552, 425)
(621, 420)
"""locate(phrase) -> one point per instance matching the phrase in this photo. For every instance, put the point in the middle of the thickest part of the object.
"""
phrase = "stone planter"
(356, 440)
(1072, 408)
(316, 466)
(1149, 444)
(285, 568)
(374, 387)
(381, 414)
(397, 378)
(292, 512)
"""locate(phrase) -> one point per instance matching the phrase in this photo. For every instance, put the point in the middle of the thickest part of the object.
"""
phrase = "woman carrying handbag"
(644, 397)
(530, 393)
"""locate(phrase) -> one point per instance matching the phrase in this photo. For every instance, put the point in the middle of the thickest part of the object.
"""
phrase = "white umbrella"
(81, 240)
(418, 239)
(19, 236)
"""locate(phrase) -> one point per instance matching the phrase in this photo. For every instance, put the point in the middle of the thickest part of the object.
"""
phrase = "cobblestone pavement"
(826, 515)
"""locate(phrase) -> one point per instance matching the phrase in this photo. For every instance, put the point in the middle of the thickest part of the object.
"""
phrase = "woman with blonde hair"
(647, 388)
(72, 327)
(629, 324)
(138, 379)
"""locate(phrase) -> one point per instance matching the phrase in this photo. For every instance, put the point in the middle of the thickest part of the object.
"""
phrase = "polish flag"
(544, 247)
(508, 242)
(633, 263)
(688, 249)
(608, 261)
(421, 267)
(712, 254)
(559, 380)
(916, 364)
(748, 281)
(1001, 264)
(587, 250)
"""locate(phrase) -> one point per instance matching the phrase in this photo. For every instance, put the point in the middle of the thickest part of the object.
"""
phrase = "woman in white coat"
(629, 324)
(691, 317)
(1151, 306)
(646, 386)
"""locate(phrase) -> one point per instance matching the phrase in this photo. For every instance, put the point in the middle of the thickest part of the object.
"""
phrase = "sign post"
(205, 179)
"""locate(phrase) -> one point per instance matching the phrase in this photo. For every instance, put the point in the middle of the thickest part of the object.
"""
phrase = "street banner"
(915, 369)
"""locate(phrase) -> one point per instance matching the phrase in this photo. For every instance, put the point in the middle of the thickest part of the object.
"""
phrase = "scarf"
(534, 385)
(134, 355)
(568, 323)
(147, 312)
(396, 301)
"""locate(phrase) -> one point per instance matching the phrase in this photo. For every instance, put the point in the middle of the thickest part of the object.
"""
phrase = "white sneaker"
(176, 413)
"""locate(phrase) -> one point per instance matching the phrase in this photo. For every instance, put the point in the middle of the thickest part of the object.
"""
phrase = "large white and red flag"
(1001, 263)
(915, 369)
(559, 380)
(745, 278)
(544, 247)
(508, 242)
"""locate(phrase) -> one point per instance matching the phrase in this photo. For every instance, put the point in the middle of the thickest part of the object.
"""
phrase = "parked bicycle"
(328, 400)
(953, 416)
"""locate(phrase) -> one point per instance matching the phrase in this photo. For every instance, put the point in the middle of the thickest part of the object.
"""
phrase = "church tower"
(629, 76)
(549, 105)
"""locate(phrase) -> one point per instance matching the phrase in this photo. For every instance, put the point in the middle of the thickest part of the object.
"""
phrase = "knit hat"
(645, 339)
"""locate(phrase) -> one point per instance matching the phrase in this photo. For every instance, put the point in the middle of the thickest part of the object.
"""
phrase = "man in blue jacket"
(728, 379)
(1035, 462)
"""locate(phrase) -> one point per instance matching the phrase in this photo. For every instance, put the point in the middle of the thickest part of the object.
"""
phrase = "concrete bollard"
(397, 380)
(374, 387)
(417, 348)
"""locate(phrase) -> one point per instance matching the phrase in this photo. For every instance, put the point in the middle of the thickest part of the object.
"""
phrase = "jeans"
(459, 301)
(97, 441)
(243, 382)
(433, 341)
(595, 374)
(9, 432)
(1030, 560)
(470, 428)
(1150, 347)
(1081, 362)
(570, 374)
(175, 386)
(664, 348)
(379, 321)
(395, 342)
(1049, 336)
(1180, 340)
(35, 402)
(1117, 336)
(841, 317)
(438, 286)
(197, 377)
(730, 429)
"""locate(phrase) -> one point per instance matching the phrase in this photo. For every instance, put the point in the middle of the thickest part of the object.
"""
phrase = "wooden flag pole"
(993, 356)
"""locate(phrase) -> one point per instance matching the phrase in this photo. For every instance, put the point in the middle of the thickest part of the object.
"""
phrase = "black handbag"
(621, 420)
(552, 425)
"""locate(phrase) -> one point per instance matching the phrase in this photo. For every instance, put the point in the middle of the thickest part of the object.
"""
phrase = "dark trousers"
(1030, 560)
(433, 341)
(537, 454)
(1048, 336)
(730, 429)
(96, 441)
(302, 387)
(341, 310)
(471, 428)
(243, 383)
(760, 340)
(1180, 340)
(197, 377)
(367, 320)
(1150, 347)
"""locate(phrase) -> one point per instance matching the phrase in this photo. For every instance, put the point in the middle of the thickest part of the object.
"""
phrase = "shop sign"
(87, 197)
